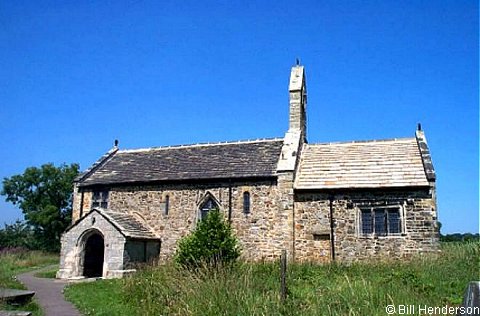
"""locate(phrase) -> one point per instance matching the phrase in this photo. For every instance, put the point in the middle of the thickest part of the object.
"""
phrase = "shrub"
(18, 235)
(210, 244)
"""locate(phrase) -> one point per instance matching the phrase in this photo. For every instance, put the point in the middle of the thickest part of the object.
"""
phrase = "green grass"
(253, 289)
(108, 298)
(17, 262)
(50, 273)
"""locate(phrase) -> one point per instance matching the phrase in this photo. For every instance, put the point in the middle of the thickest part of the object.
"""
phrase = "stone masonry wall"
(312, 229)
(268, 228)
(73, 248)
(262, 232)
(312, 216)
(76, 204)
(78, 200)
(286, 212)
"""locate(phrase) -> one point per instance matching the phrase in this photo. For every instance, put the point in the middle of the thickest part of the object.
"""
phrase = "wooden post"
(283, 276)
(471, 300)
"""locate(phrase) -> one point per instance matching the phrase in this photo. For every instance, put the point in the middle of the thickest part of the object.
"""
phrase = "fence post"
(471, 300)
(283, 276)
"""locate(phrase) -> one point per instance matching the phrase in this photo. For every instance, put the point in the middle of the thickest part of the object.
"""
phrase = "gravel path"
(49, 294)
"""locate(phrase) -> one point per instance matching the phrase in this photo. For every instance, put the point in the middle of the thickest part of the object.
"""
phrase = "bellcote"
(298, 101)
(296, 135)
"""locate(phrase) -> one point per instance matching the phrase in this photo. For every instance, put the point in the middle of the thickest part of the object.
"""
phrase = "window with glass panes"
(100, 199)
(381, 221)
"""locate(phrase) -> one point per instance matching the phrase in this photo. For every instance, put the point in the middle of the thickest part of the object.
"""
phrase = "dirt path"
(49, 294)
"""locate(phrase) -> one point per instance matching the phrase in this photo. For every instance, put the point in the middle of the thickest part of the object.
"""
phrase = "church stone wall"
(76, 204)
(312, 212)
(312, 229)
(262, 233)
(77, 210)
(276, 211)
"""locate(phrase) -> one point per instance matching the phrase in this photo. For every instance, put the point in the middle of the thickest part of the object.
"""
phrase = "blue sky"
(76, 76)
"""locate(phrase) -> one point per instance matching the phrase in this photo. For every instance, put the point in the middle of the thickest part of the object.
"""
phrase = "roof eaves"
(336, 188)
(273, 175)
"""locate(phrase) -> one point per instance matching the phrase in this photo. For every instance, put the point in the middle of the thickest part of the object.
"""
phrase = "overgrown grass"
(17, 261)
(253, 289)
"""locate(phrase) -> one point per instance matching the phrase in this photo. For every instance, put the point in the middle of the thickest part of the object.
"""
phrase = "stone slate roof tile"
(371, 164)
(246, 159)
(128, 224)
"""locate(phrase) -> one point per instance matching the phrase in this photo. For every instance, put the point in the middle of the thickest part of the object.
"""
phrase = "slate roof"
(370, 164)
(246, 159)
(128, 224)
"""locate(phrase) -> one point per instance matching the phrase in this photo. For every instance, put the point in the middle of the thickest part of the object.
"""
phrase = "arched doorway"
(94, 253)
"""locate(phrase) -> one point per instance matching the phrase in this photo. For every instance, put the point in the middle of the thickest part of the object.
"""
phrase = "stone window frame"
(100, 198)
(372, 208)
(247, 202)
(206, 198)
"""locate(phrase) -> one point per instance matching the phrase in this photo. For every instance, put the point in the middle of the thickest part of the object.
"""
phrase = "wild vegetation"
(212, 243)
(253, 289)
(44, 195)
(17, 260)
(459, 237)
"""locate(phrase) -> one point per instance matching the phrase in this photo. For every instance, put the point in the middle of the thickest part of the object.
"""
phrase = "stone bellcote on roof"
(298, 100)
(297, 129)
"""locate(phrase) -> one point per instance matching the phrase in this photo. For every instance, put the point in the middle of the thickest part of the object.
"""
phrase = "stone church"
(325, 202)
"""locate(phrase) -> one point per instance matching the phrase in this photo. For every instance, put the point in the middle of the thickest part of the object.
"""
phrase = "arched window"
(246, 202)
(207, 206)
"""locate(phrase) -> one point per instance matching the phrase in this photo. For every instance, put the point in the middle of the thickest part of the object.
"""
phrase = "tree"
(211, 243)
(45, 197)
(17, 235)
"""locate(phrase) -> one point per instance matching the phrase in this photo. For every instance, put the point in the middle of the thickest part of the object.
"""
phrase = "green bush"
(211, 243)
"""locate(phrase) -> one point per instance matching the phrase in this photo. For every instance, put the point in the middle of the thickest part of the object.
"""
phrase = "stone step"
(14, 296)
(15, 313)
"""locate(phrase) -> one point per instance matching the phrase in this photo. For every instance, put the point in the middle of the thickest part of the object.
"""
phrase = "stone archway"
(93, 256)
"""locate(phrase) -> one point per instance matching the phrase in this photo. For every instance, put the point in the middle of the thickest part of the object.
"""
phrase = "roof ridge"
(249, 141)
(363, 141)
